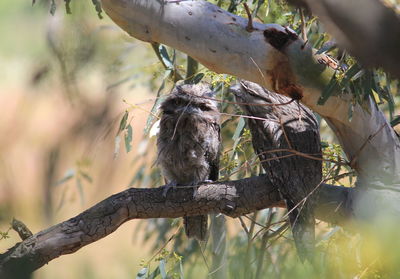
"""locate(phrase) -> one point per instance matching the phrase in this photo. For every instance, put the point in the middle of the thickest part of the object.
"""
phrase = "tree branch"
(376, 25)
(233, 198)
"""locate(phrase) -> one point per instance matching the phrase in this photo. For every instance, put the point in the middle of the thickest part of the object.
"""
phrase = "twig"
(21, 229)
(249, 27)
(303, 26)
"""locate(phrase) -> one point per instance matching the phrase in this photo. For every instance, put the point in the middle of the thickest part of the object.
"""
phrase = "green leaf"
(350, 111)
(142, 274)
(327, 47)
(154, 273)
(390, 99)
(162, 269)
(86, 176)
(128, 138)
(328, 90)
(122, 124)
(236, 135)
(70, 173)
(395, 121)
(151, 117)
(53, 7)
(353, 73)
(239, 129)
(319, 41)
(367, 84)
(324, 144)
(197, 78)
(165, 57)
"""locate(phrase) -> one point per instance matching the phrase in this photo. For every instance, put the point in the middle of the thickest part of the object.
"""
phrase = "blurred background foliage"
(79, 103)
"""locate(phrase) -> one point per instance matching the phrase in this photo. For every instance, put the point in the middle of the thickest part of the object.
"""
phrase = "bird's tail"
(302, 222)
(196, 226)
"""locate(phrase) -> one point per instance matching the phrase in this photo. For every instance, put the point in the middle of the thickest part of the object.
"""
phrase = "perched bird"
(276, 134)
(189, 143)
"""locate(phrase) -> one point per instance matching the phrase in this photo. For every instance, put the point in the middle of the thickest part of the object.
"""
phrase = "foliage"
(4, 235)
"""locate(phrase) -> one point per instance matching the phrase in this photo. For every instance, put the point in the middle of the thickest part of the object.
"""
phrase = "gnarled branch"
(233, 198)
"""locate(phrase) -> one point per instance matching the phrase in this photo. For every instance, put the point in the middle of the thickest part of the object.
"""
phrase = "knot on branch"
(279, 39)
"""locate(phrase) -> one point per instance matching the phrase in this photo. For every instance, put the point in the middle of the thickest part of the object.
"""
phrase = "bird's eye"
(177, 102)
(167, 111)
(204, 107)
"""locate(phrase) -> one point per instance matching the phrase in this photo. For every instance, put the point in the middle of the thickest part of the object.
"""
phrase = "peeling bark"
(232, 198)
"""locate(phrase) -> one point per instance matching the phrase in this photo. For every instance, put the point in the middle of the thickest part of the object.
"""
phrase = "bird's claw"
(166, 188)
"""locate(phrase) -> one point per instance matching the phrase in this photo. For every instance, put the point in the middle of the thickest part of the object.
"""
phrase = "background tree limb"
(372, 34)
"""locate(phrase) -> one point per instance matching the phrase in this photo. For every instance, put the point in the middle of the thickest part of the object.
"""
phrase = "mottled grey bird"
(189, 143)
(284, 128)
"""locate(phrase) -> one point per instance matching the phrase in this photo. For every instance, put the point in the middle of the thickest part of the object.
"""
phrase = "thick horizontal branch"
(233, 198)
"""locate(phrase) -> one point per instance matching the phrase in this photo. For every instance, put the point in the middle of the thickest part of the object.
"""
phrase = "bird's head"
(191, 100)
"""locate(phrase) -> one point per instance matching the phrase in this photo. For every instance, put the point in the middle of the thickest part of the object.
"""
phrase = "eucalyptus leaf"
(328, 90)
(395, 121)
(327, 47)
(155, 273)
(128, 138)
(165, 57)
(142, 274)
(86, 176)
(162, 269)
(150, 119)
(349, 75)
(197, 78)
(70, 173)
(122, 124)
(236, 135)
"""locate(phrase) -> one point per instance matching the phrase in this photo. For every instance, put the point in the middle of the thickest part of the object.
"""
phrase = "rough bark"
(274, 56)
(233, 198)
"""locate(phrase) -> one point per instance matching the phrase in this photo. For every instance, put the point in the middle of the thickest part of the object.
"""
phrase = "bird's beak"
(190, 110)
(237, 90)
